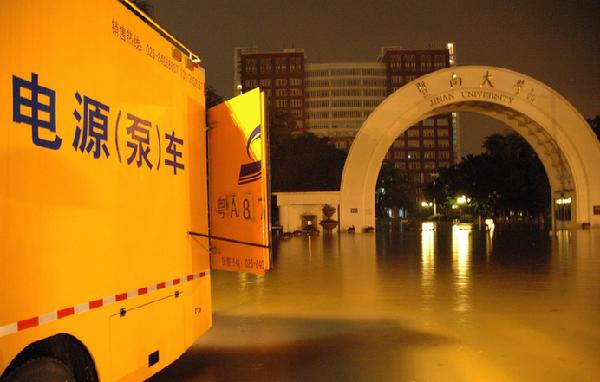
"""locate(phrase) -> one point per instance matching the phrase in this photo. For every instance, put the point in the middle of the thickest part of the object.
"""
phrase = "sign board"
(239, 219)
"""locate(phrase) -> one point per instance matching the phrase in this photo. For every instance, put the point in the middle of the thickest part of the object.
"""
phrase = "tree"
(508, 177)
(392, 190)
(595, 125)
(301, 161)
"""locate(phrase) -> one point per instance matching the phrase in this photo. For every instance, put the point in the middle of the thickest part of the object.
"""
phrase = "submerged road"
(408, 305)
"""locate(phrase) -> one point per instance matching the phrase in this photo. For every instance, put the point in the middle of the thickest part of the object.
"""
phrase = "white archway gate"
(561, 137)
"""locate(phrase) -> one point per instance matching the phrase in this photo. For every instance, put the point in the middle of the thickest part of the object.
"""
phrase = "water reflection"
(427, 265)
(450, 304)
(461, 251)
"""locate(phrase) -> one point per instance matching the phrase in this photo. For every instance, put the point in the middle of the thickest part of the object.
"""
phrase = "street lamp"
(425, 204)
(463, 200)
(460, 202)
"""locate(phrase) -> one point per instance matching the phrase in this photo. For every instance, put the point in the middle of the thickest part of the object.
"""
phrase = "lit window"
(428, 133)
(414, 155)
(413, 133)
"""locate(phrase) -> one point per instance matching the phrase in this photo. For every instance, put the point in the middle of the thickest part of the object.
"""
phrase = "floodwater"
(404, 304)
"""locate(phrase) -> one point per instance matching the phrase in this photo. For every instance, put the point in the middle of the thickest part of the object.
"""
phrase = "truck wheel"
(41, 369)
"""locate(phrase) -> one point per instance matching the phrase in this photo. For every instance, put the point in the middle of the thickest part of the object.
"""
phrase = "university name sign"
(471, 94)
(481, 88)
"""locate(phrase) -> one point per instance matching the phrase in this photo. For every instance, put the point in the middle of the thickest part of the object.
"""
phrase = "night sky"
(555, 42)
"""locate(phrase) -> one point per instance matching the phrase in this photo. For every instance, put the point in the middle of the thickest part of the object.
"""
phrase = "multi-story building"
(428, 145)
(340, 96)
(279, 74)
(334, 99)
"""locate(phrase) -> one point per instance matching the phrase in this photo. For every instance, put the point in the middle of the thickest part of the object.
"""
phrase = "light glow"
(427, 226)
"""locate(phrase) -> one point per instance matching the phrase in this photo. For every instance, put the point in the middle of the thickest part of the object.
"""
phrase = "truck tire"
(41, 369)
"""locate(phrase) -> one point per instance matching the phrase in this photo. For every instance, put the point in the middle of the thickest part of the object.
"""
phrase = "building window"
(439, 61)
(414, 165)
(399, 143)
(281, 103)
(265, 65)
(442, 122)
(444, 155)
(265, 83)
(442, 133)
(399, 154)
(280, 65)
(296, 112)
(426, 63)
(251, 66)
(371, 103)
(295, 91)
(413, 155)
(428, 165)
(429, 154)
(413, 133)
(428, 143)
(250, 83)
(443, 143)
(281, 92)
(410, 63)
(317, 103)
(428, 133)
(444, 164)
(373, 92)
(413, 143)
(295, 64)
(295, 82)
(395, 62)
(410, 78)
(317, 93)
(318, 115)
(397, 80)
(346, 103)
(342, 145)
(317, 73)
(400, 165)
(281, 82)
(372, 82)
(296, 103)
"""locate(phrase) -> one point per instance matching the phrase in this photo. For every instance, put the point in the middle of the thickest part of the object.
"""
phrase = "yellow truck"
(105, 257)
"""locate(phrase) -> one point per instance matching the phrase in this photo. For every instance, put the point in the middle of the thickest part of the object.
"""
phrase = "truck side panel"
(102, 176)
